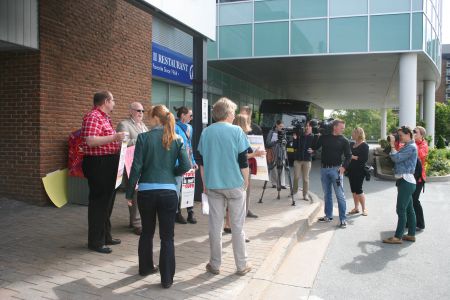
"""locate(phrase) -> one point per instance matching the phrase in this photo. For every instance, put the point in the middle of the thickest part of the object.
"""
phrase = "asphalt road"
(353, 263)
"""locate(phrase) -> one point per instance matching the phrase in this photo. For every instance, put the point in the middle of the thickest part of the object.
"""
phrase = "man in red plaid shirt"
(101, 158)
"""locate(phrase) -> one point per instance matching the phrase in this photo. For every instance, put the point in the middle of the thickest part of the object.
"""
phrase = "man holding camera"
(334, 146)
(303, 141)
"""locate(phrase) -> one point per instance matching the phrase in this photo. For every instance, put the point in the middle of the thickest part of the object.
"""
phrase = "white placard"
(205, 204)
(187, 189)
(121, 167)
(262, 171)
(205, 111)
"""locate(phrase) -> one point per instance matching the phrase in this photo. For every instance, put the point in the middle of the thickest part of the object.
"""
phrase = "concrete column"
(429, 88)
(420, 107)
(408, 89)
(383, 129)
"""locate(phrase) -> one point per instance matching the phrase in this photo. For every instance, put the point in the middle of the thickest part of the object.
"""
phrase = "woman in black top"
(356, 175)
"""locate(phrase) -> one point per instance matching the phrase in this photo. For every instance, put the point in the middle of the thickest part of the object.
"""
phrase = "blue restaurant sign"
(172, 65)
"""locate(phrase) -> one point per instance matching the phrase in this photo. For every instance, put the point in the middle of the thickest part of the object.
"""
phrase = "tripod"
(281, 162)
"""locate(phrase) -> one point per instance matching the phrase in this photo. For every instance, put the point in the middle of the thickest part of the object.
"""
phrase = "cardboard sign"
(123, 152)
(257, 142)
(187, 189)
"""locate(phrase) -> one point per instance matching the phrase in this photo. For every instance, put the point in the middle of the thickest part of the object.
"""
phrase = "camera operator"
(273, 143)
(404, 166)
(333, 146)
(303, 141)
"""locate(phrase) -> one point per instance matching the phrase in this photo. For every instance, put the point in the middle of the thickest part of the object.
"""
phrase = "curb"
(255, 287)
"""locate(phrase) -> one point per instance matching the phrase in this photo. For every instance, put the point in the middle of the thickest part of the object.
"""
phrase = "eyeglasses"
(139, 110)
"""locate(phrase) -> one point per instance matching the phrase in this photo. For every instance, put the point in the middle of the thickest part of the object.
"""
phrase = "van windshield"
(268, 119)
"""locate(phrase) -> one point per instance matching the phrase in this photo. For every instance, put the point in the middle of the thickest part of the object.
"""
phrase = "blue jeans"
(328, 177)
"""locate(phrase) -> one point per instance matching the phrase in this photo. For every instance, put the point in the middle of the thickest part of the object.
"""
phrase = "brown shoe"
(244, 271)
(137, 230)
(392, 240)
(211, 270)
(409, 238)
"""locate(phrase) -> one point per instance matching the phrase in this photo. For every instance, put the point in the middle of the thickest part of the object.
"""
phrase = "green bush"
(440, 143)
(438, 162)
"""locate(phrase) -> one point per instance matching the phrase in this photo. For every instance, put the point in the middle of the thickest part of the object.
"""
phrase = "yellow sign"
(55, 185)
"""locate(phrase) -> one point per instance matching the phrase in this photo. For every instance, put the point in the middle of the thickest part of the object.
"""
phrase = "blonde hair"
(242, 121)
(360, 135)
(222, 108)
(168, 121)
(422, 130)
(247, 110)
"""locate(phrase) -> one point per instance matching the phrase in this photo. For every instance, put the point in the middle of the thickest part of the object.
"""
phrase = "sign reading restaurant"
(171, 65)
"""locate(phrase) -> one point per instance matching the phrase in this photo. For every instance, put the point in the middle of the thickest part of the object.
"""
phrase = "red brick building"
(83, 46)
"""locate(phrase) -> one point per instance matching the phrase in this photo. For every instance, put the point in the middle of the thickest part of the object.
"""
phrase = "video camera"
(282, 139)
(396, 137)
(324, 127)
(298, 126)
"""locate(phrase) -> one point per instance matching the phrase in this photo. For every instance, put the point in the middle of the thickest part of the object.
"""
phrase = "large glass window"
(271, 10)
(417, 31)
(176, 97)
(387, 6)
(212, 49)
(235, 41)
(347, 7)
(236, 13)
(272, 39)
(348, 34)
(417, 5)
(389, 32)
(160, 92)
(309, 36)
(308, 8)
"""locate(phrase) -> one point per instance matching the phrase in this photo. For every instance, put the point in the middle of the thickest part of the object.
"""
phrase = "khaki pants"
(218, 200)
(303, 168)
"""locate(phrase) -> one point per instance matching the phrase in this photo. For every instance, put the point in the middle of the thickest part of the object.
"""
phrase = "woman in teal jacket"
(154, 166)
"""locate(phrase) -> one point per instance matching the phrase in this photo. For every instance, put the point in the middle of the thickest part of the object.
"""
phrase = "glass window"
(272, 39)
(348, 7)
(309, 36)
(308, 8)
(428, 38)
(188, 98)
(348, 34)
(417, 31)
(417, 5)
(387, 6)
(212, 49)
(389, 32)
(176, 97)
(271, 10)
(235, 41)
(236, 13)
(160, 92)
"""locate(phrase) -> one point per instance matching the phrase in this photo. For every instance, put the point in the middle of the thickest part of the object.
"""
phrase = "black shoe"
(191, 218)
(227, 230)
(180, 219)
(325, 219)
(247, 240)
(274, 186)
(151, 271)
(283, 187)
(251, 215)
(113, 242)
(101, 249)
(343, 224)
(166, 285)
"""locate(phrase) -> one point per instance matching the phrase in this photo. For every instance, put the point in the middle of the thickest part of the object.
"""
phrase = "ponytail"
(168, 121)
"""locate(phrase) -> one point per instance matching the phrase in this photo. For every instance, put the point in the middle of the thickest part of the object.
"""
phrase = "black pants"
(417, 206)
(164, 204)
(101, 173)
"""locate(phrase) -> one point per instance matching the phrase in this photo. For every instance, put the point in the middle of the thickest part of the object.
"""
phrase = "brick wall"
(19, 125)
(85, 46)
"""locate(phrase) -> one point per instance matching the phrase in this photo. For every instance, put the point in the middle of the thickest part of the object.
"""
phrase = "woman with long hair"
(241, 120)
(154, 168)
(356, 174)
(404, 167)
(422, 151)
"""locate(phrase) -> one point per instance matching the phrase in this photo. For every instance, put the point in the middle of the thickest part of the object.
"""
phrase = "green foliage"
(442, 120)
(440, 144)
(367, 119)
(428, 138)
(438, 162)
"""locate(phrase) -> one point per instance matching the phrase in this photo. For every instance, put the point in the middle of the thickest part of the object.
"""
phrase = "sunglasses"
(139, 110)
(414, 131)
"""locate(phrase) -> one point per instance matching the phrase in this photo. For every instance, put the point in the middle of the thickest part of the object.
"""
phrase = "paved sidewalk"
(43, 252)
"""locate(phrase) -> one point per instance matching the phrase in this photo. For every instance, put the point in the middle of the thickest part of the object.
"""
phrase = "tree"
(442, 120)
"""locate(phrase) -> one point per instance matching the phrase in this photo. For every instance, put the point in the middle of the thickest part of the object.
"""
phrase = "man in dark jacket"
(302, 159)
